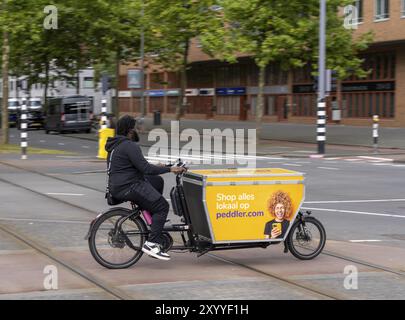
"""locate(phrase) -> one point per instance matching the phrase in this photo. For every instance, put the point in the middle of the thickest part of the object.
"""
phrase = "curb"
(314, 156)
(80, 138)
(367, 145)
(286, 155)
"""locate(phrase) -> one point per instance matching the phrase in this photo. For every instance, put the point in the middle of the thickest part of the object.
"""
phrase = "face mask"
(134, 135)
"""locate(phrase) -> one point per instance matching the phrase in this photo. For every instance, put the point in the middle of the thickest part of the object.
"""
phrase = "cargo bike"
(220, 209)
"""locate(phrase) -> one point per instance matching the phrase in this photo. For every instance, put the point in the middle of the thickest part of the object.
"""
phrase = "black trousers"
(148, 195)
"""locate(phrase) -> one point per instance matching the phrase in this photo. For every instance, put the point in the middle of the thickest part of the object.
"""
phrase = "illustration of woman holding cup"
(281, 210)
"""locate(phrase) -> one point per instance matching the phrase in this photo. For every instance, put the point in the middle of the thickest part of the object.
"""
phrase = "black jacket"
(128, 164)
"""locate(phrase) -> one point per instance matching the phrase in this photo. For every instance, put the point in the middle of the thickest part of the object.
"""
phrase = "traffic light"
(106, 82)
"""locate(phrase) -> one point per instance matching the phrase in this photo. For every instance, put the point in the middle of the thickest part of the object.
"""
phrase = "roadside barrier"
(103, 114)
(23, 128)
(103, 135)
(376, 119)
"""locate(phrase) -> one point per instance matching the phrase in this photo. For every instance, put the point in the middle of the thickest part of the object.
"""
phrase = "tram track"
(50, 176)
(320, 292)
(317, 291)
(55, 257)
(118, 293)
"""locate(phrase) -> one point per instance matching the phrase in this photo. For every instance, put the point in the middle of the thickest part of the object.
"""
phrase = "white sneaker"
(154, 250)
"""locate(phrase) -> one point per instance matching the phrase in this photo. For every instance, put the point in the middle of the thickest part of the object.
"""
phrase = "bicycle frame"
(191, 241)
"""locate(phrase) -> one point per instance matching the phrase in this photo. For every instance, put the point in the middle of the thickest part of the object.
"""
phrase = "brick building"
(229, 91)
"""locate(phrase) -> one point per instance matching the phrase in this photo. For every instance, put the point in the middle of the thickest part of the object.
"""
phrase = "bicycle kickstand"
(285, 247)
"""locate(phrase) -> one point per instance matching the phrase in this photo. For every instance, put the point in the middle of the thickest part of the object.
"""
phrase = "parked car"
(13, 107)
(35, 114)
(72, 113)
(35, 104)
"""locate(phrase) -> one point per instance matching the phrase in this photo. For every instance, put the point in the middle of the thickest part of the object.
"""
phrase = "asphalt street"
(366, 191)
(38, 138)
(359, 199)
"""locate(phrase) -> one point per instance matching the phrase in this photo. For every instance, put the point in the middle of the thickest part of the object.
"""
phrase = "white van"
(13, 107)
(35, 104)
(72, 113)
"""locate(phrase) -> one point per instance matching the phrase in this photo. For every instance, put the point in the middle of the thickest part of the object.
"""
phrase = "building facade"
(58, 88)
(229, 91)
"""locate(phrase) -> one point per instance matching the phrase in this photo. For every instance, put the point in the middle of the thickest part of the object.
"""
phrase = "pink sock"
(147, 216)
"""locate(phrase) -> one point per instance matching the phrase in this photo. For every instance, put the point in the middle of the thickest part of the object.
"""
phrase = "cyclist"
(133, 178)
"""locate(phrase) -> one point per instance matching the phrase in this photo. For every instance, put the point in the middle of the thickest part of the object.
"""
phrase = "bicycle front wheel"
(306, 239)
(117, 249)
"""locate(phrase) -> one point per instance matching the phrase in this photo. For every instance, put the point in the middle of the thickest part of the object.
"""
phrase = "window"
(271, 106)
(381, 66)
(275, 75)
(71, 82)
(359, 6)
(88, 83)
(198, 43)
(382, 9)
(403, 8)
(82, 107)
(355, 12)
(228, 105)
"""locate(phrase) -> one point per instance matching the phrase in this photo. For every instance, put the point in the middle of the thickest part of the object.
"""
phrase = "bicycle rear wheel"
(117, 249)
(306, 239)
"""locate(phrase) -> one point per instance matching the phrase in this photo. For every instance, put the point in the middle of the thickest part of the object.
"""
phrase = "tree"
(171, 27)
(5, 57)
(14, 23)
(275, 31)
(114, 37)
(89, 33)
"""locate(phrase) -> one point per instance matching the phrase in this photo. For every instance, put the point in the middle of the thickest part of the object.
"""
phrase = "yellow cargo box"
(243, 205)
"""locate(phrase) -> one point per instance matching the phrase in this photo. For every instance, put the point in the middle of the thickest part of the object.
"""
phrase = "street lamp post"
(321, 123)
(143, 111)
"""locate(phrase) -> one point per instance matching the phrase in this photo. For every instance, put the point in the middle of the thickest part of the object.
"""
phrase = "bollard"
(157, 118)
(103, 135)
(103, 114)
(375, 132)
(23, 127)
(321, 127)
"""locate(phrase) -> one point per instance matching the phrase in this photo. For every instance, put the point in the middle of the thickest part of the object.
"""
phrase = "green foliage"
(89, 33)
(170, 26)
(100, 33)
(287, 33)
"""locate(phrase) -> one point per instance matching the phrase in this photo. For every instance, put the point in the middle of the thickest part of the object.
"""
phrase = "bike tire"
(322, 241)
(118, 213)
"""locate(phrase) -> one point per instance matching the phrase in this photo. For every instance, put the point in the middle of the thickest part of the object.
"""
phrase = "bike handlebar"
(178, 163)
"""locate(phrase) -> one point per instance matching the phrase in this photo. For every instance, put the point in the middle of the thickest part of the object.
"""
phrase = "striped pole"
(23, 134)
(104, 114)
(321, 123)
(376, 119)
(321, 127)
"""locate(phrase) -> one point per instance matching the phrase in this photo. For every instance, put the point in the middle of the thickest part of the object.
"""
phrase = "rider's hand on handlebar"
(160, 164)
(178, 170)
